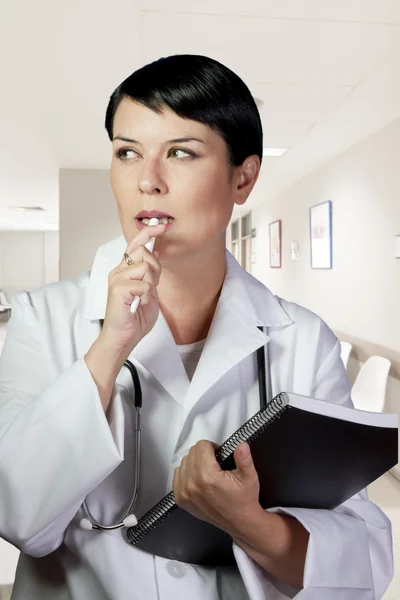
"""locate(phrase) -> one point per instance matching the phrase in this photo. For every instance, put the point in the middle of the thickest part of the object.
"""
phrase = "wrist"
(278, 543)
(252, 526)
(116, 350)
(104, 362)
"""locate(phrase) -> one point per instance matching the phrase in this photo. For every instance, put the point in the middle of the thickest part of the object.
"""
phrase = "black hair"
(201, 89)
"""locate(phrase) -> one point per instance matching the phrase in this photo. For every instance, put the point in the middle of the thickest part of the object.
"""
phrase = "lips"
(149, 214)
(140, 225)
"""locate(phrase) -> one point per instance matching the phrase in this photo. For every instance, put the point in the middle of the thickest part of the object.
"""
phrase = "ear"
(246, 176)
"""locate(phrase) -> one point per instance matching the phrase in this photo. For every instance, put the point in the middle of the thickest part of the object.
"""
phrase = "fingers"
(137, 251)
(145, 271)
(145, 264)
(183, 469)
(203, 454)
(140, 257)
(145, 236)
(200, 460)
(142, 273)
(123, 289)
(244, 461)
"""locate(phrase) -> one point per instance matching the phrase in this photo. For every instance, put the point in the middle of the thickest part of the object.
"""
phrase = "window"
(245, 259)
(241, 241)
(235, 239)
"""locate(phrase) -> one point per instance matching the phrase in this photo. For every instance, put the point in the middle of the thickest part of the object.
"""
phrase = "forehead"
(141, 123)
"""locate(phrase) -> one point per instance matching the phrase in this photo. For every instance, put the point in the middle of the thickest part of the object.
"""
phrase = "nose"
(151, 181)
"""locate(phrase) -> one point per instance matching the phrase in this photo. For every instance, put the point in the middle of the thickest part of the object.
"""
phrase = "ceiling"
(328, 73)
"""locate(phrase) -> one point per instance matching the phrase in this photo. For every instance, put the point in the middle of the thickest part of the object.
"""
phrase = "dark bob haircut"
(201, 89)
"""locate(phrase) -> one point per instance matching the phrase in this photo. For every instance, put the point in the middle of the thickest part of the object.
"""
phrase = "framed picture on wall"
(321, 235)
(275, 245)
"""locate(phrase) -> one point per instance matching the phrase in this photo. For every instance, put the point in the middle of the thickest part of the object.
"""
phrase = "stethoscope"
(264, 384)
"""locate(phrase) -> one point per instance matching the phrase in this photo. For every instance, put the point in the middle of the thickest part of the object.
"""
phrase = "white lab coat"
(57, 446)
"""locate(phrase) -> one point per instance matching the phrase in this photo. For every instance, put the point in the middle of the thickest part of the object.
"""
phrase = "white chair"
(345, 352)
(369, 389)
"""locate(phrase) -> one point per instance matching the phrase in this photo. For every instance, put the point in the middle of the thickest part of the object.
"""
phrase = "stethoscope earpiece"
(130, 521)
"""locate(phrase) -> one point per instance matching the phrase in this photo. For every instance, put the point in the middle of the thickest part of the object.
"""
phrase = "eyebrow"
(176, 141)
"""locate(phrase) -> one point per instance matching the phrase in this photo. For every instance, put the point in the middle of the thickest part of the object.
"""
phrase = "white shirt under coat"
(57, 446)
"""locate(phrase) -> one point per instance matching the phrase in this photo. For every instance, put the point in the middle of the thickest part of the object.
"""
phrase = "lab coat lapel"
(158, 353)
(230, 340)
(244, 305)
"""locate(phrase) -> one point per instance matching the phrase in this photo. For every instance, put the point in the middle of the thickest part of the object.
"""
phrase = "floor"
(385, 492)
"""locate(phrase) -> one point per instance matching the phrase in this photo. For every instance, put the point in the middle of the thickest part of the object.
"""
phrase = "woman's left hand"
(223, 498)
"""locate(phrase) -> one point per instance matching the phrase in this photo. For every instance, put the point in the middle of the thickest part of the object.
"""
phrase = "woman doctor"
(187, 145)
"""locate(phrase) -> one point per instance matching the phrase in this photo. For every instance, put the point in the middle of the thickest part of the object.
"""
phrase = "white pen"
(149, 246)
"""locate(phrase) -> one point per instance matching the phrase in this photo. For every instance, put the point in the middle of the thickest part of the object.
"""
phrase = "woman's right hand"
(121, 329)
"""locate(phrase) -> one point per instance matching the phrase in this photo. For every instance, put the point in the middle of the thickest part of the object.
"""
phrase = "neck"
(189, 290)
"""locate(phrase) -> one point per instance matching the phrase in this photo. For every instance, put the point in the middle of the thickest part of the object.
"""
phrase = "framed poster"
(321, 235)
(275, 245)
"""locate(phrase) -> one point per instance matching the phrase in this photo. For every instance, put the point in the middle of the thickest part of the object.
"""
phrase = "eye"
(121, 153)
(184, 151)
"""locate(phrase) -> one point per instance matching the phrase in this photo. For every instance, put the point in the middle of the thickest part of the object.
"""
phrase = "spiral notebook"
(308, 453)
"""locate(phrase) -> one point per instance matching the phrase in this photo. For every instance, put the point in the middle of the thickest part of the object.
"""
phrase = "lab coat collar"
(244, 304)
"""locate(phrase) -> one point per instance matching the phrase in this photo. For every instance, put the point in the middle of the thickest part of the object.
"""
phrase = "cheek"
(212, 186)
(216, 197)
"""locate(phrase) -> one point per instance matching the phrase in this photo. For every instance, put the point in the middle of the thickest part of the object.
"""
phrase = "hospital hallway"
(385, 492)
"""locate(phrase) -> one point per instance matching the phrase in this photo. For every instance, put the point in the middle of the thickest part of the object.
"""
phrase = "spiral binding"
(152, 518)
(246, 433)
(253, 427)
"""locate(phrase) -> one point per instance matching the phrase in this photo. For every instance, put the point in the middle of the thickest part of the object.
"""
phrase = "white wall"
(51, 256)
(28, 260)
(361, 294)
(88, 218)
